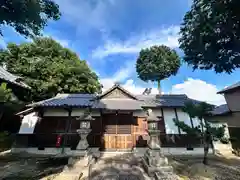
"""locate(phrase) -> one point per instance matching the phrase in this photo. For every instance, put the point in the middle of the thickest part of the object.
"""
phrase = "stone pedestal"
(83, 144)
(154, 161)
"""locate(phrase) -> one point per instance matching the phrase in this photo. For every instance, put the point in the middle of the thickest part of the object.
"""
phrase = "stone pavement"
(119, 167)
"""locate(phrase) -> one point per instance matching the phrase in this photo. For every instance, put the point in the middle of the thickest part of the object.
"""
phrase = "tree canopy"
(210, 35)
(48, 68)
(28, 17)
(157, 63)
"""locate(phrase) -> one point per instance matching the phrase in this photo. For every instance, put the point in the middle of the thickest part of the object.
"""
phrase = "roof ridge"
(229, 88)
(117, 85)
(42, 101)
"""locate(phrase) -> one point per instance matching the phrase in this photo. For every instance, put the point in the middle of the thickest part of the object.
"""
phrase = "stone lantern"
(154, 161)
(84, 130)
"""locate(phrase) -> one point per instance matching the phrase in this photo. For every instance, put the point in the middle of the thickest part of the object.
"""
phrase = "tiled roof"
(7, 76)
(171, 100)
(220, 110)
(229, 88)
(148, 100)
(74, 100)
(166, 100)
(84, 100)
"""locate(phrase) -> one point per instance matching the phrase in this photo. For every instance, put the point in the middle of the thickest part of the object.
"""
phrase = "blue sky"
(110, 33)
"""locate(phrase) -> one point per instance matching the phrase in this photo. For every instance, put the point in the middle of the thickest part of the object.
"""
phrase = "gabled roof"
(8, 77)
(230, 88)
(220, 110)
(117, 86)
(90, 100)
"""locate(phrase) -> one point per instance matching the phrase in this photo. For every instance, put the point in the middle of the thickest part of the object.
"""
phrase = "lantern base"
(154, 161)
(82, 145)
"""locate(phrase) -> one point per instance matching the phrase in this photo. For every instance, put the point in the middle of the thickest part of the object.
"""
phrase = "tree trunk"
(206, 149)
(207, 141)
(159, 87)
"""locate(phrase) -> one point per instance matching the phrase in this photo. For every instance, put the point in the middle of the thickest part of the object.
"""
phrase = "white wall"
(139, 113)
(28, 123)
(196, 122)
(62, 112)
(217, 125)
(219, 147)
(182, 116)
(77, 112)
(157, 112)
(55, 112)
(170, 126)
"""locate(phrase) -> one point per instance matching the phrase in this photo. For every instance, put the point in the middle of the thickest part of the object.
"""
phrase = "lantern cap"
(87, 117)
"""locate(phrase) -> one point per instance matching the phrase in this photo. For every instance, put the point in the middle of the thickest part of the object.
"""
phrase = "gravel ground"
(25, 168)
(187, 167)
(219, 168)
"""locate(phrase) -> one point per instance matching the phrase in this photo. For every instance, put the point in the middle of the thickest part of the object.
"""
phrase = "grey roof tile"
(166, 100)
(82, 100)
(171, 100)
(220, 110)
(148, 100)
(74, 100)
(11, 78)
(229, 88)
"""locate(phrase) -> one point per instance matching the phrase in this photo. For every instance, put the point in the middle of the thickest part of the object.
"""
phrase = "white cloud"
(165, 36)
(121, 75)
(199, 90)
(129, 85)
(124, 76)
(85, 14)
(136, 89)
(193, 88)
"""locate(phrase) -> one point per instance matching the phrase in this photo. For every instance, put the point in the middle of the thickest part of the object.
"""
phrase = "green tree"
(48, 68)
(157, 63)
(5, 93)
(9, 105)
(210, 35)
(28, 17)
(204, 131)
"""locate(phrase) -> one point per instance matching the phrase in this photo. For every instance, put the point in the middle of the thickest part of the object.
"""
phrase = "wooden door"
(124, 141)
(117, 133)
